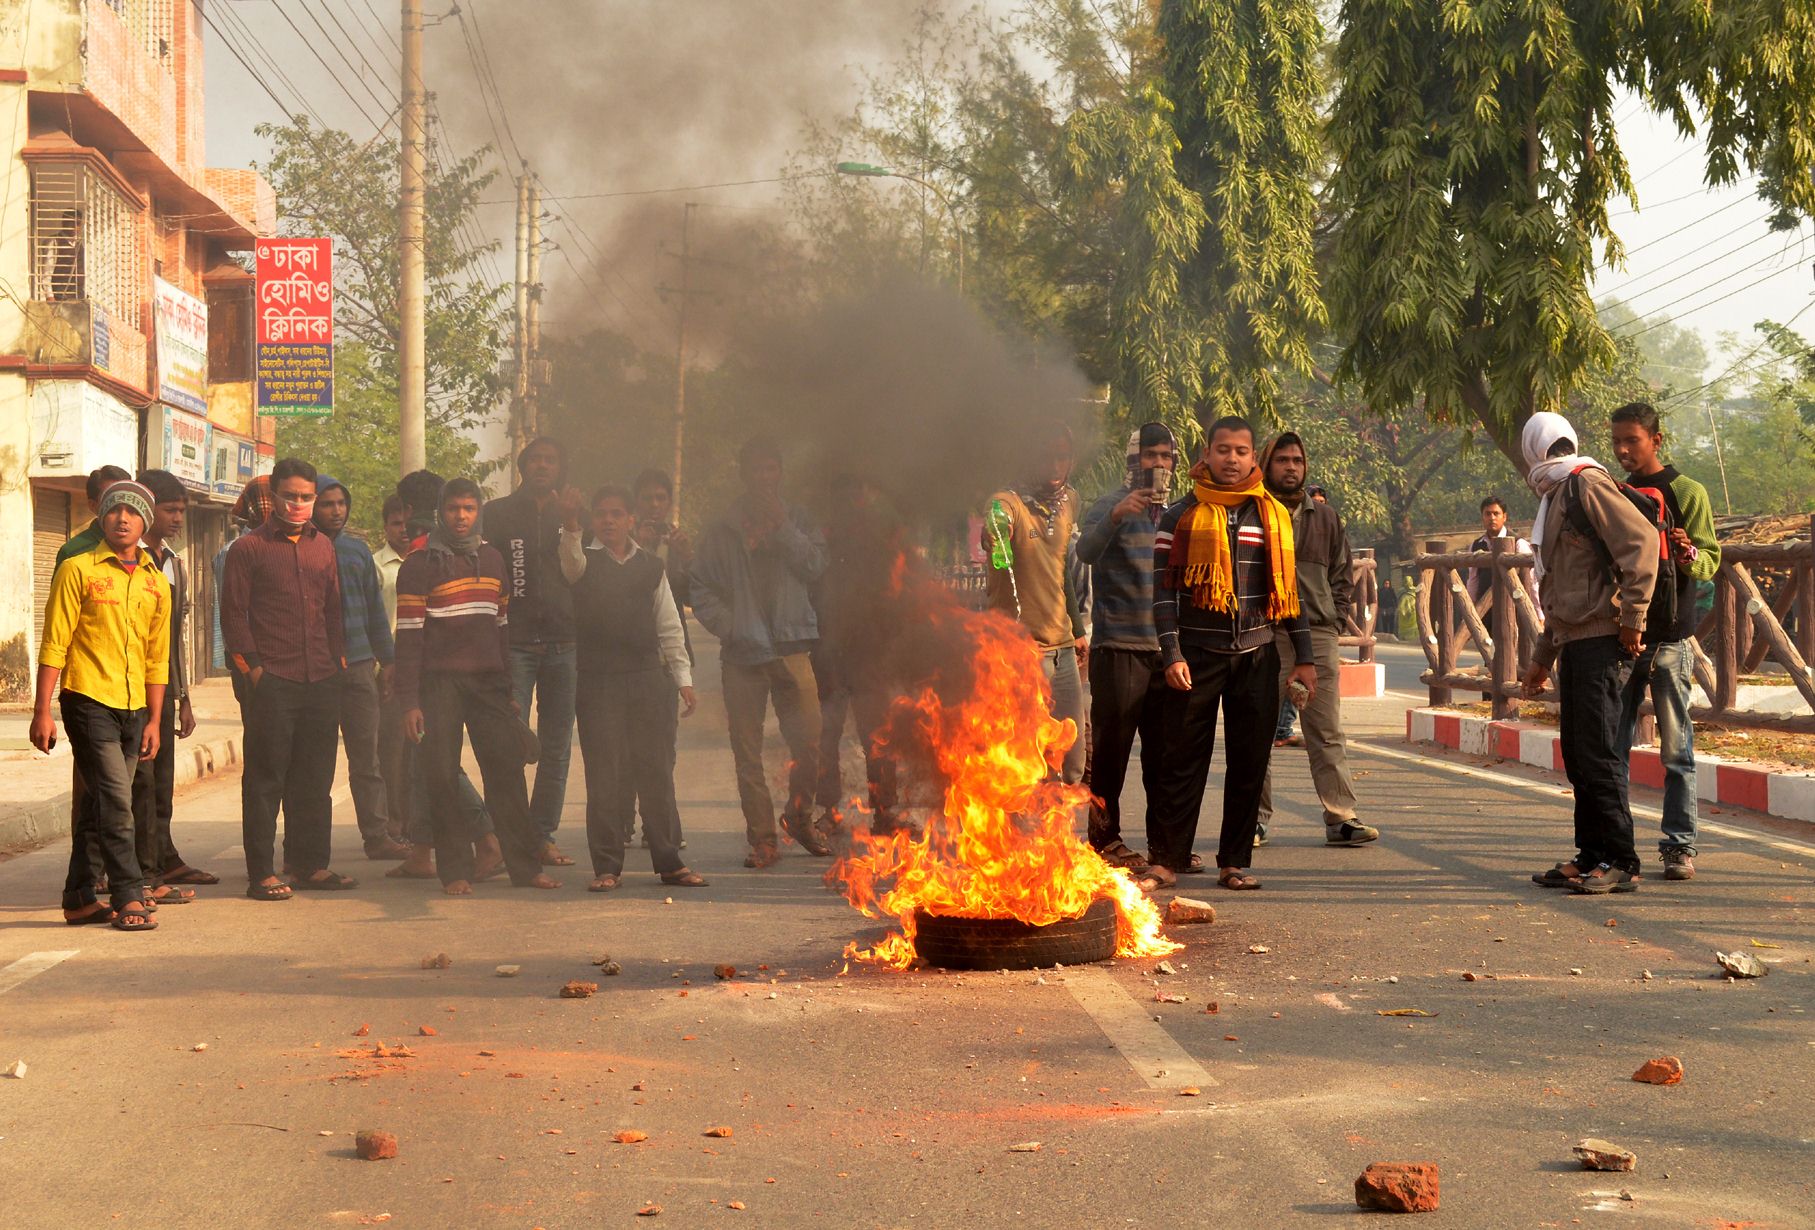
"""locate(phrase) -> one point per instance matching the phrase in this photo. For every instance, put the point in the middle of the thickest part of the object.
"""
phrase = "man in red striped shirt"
(453, 677)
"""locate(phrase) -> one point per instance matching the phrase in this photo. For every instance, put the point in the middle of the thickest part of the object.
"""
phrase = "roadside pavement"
(218, 1068)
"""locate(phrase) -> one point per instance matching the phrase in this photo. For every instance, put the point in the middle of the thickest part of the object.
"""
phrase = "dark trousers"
(153, 787)
(627, 737)
(1246, 687)
(1591, 674)
(1127, 698)
(359, 721)
(394, 768)
(454, 705)
(846, 696)
(105, 744)
(292, 734)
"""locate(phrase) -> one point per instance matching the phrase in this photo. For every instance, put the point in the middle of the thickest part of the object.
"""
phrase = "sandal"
(553, 856)
(170, 894)
(1194, 866)
(1606, 879)
(327, 881)
(1236, 879)
(1153, 876)
(1557, 877)
(101, 913)
(604, 884)
(133, 916)
(269, 892)
(684, 878)
(186, 874)
(1119, 855)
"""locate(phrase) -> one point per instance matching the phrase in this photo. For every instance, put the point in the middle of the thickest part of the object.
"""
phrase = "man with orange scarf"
(1224, 578)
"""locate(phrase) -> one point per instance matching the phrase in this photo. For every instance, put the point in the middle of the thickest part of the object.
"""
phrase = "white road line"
(1132, 1030)
(1540, 787)
(30, 966)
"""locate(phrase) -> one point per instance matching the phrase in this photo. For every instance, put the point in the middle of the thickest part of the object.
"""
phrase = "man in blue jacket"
(368, 673)
(750, 583)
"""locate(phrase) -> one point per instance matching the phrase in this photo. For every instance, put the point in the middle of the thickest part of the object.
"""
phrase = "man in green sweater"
(1666, 669)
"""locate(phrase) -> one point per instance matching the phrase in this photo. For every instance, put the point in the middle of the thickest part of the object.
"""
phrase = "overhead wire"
(329, 69)
(1658, 322)
(1733, 368)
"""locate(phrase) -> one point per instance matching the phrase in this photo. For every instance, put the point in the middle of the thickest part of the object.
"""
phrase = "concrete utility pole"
(520, 340)
(532, 410)
(412, 343)
(680, 357)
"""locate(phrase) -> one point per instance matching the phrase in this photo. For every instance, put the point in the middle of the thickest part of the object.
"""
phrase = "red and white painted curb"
(1733, 783)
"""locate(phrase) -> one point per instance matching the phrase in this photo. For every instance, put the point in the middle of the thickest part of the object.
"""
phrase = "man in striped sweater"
(453, 677)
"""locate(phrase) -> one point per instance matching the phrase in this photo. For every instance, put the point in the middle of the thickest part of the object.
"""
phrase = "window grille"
(151, 24)
(85, 242)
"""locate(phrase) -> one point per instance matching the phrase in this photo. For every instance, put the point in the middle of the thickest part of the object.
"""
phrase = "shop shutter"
(50, 530)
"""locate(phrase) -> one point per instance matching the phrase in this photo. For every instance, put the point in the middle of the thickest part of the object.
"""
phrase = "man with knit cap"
(1127, 674)
(107, 641)
(368, 673)
(1225, 582)
(1326, 592)
(453, 677)
(1594, 632)
(282, 621)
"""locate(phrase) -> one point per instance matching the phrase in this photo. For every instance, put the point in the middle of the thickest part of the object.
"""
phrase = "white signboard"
(182, 337)
(186, 447)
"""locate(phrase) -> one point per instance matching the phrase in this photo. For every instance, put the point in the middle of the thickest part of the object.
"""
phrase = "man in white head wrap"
(1594, 622)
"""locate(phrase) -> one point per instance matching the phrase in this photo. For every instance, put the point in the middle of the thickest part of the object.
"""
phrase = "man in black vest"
(634, 673)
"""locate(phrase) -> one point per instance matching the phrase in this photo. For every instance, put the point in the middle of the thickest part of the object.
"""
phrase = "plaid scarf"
(1201, 562)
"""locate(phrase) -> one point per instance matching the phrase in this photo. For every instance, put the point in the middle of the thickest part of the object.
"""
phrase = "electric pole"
(520, 341)
(412, 342)
(532, 411)
(680, 357)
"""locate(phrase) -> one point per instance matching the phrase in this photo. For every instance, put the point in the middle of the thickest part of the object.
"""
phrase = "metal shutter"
(50, 530)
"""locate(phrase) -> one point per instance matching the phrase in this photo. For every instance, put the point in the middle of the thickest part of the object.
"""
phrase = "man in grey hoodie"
(750, 588)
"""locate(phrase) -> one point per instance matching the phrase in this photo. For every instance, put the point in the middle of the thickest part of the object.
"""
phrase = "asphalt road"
(886, 1099)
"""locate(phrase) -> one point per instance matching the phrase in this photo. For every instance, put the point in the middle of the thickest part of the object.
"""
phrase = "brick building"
(125, 320)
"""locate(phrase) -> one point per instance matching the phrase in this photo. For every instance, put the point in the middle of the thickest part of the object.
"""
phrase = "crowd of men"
(475, 616)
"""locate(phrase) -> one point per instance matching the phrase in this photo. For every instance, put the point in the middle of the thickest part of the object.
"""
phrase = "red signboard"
(294, 308)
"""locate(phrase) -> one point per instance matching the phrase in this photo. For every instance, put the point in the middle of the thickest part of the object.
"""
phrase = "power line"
(292, 111)
(1660, 323)
(389, 33)
(372, 72)
(329, 69)
(472, 56)
(482, 67)
(733, 183)
(1677, 234)
(386, 57)
(1675, 200)
(1624, 294)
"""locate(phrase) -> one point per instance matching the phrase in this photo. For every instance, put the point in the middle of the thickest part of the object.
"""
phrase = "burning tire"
(1006, 943)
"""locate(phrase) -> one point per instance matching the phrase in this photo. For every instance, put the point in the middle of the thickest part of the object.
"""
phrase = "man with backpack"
(1667, 666)
(1597, 558)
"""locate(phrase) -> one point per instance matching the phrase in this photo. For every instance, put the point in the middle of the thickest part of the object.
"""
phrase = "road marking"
(1542, 787)
(1131, 1029)
(30, 966)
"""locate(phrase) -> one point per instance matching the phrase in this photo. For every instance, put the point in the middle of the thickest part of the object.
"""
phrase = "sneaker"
(1349, 834)
(1260, 835)
(1606, 879)
(762, 854)
(1679, 865)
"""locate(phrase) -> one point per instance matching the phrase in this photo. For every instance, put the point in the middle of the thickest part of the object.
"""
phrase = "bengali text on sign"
(294, 307)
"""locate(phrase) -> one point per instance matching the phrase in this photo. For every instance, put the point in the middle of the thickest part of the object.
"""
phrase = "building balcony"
(79, 333)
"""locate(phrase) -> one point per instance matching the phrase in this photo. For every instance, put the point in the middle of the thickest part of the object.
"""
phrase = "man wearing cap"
(281, 617)
(369, 657)
(107, 640)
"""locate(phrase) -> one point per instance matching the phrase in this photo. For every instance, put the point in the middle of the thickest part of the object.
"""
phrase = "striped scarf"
(1201, 562)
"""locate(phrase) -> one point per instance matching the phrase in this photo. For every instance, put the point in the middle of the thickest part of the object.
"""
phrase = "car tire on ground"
(1005, 943)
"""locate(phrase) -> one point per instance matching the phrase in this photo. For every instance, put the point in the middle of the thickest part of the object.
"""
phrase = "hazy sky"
(681, 92)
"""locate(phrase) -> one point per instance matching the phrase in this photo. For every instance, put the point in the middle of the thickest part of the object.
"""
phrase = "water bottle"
(1001, 531)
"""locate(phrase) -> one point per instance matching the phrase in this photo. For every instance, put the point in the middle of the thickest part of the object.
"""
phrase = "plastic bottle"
(1001, 532)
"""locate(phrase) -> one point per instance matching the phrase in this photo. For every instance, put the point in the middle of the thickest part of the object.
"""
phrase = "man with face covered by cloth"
(1326, 591)
(1127, 674)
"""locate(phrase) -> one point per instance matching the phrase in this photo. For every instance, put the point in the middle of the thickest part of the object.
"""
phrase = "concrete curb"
(1733, 783)
(42, 821)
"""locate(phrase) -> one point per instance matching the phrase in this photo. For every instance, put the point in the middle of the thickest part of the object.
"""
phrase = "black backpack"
(1660, 616)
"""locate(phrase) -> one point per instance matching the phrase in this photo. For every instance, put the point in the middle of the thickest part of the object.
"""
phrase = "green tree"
(1476, 150)
(328, 184)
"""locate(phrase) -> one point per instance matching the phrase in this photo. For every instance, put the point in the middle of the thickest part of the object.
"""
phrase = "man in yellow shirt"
(107, 637)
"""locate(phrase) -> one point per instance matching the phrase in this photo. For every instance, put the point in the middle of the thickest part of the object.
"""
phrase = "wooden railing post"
(1804, 577)
(1367, 587)
(1726, 643)
(1443, 617)
(1505, 627)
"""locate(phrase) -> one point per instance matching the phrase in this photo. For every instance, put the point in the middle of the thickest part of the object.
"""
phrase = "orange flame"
(1002, 845)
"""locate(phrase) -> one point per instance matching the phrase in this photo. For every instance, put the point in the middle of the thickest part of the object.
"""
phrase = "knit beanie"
(135, 496)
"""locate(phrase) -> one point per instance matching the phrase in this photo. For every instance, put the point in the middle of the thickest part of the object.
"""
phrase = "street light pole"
(872, 171)
(411, 342)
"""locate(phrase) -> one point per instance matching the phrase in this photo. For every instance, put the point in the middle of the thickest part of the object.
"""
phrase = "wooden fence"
(1742, 630)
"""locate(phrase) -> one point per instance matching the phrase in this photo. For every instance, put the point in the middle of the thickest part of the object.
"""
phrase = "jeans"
(1246, 687)
(845, 696)
(627, 736)
(1061, 669)
(292, 735)
(105, 744)
(1592, 674)
(1127, 692)
(359, 721)
(453, 705)
(1321, 721)
(153, 787)
(749, 689)
(1667, 671)
(550, 672)
(1288, 721)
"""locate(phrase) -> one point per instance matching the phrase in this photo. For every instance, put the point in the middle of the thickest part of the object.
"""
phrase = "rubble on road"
(1665, 1070)
(578, 990)
(1741, 964)
(1599, 1154)
(1189, 910)
(509, 971)
(375, 1146)
(1398, 1187)
(15, 1070)
(439, 960)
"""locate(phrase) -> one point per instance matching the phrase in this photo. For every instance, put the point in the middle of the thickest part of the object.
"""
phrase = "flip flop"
(1195, 866)
(330, 882)
(269, 892)
(190, 875)
(134, 917)
(1236, 880)
(103, 914)
(604, 884)
(553, 856)
(1153, 876)
(170, 894)
(1119, 855)
(684, 878)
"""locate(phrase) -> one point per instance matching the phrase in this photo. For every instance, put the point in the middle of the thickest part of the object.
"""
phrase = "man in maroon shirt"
(281, 621)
